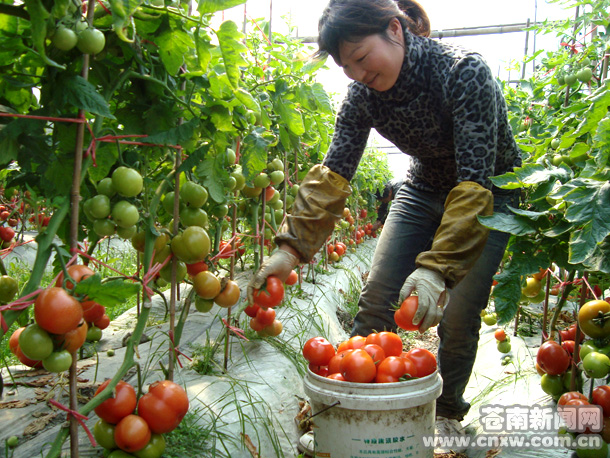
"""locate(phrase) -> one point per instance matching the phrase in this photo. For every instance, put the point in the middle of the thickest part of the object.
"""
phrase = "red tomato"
(336, 376)
(251, 310)
(132, 433)
(425, 361)
(292, 278)
(122, 403)
(375, 351)
(390, 369)
(568, 346)
(164, 406)
(569, 395)
(601, 397)
(92, 311)
(404, 315)
(334, 365)
(553, 358)
(103, 322)
(356, 342)
(195, 268)
(271, 294)
(265, 316)
(77, 272)
(410, 368)
(56, 311)
(318, 351)
(389, 341)
(358, 366)
(500, 335)
(322, 371)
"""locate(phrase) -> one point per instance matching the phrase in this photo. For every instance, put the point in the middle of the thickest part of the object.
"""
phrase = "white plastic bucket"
(373, 419)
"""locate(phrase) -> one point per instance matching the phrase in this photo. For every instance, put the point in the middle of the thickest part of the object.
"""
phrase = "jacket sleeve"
(317, 207)
(460, 238)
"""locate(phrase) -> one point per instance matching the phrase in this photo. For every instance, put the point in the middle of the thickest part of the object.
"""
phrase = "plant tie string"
(177, 353)
(79, 417)
(237, 331)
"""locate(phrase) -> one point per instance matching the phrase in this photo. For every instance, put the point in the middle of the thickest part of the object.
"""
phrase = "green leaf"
(291, 117)
(254, 154)
(231, 49)
(506, 181)
(110, 293)
(596, 112)
(175, 136)
(173, 45)
(507, 293)
(322, 99)
(513, 224)
(246, 99)
(601, 141)
(211, 6)
(222, 118)
(80, 93)
(122, 12)
(212, 173)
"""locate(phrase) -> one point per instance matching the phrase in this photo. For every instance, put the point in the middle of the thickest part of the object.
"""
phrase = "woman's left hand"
(432, 296)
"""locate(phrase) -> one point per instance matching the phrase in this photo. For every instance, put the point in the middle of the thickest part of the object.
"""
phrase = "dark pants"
(409, 229)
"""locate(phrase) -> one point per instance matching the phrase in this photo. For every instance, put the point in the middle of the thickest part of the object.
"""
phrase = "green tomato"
(557, 159)
(190, 216)
(504, 346)
(262, 180)
(230, 156)
(203, 305)
(192, 245)
(276, 177)
(248, 191)
(239, 179)
(127, 182)
(277, 164)
(91, 41)
(126, 232)
(587, 347)
(294, 190)
(220, 211)
(154, 448)
(8, 288)
(231, 183)
(35, 342)
(552, 384)
(99, 206)
(193, 194)
(168, 203)
(166, 272)
(57, 361)
(125, 214)
(103, 432)
(12, 441)
(596, 365)
(584, 75)
(104, 227)
(570, 79)
(94, 334)
(490, 319)
(64, 39)
(105, 187)
(555, 143)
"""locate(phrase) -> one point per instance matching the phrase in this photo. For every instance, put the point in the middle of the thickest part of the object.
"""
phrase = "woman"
(441, 105)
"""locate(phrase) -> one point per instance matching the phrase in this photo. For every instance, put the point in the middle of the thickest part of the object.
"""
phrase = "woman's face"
(374, 61)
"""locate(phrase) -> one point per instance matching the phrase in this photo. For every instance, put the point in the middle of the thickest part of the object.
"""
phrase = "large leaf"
(507, 293)
(513, 224)
(176, 136)
(231, 48)
(109, 293)
(596, 112)
(246, 99)
(290, 117)
(254, 154)
(322, 98)
(601, 141)
(212, 173)
(80, 93)
(211, 6)
(173, 45)
(589, 212)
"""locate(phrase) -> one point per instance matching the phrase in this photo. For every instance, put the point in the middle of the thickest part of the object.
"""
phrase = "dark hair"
(352, 20)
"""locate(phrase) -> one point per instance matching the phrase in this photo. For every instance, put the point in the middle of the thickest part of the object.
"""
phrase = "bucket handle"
(334, 404)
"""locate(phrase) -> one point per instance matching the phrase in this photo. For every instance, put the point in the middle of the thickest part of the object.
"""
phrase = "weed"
(203, 358)
(189, 439)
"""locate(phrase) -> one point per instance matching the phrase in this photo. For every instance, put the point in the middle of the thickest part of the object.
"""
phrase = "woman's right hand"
(280, 264)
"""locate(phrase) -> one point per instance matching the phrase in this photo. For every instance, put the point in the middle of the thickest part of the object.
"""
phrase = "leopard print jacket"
(446, 111)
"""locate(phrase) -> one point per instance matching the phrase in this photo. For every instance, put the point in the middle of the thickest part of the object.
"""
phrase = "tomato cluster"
(159, 411)
(262, 314)
(62, 325)
(376, 358)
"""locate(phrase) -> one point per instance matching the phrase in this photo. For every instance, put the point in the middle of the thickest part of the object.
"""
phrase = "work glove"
(317, 207)
(460, 238)
(432, 296)
(280, 264)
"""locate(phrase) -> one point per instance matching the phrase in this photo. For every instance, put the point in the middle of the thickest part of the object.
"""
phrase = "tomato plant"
(164, 406)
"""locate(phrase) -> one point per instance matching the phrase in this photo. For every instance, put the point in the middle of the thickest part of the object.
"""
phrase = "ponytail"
(416, 18)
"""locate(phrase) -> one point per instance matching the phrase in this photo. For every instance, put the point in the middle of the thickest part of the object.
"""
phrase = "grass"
(190, 439)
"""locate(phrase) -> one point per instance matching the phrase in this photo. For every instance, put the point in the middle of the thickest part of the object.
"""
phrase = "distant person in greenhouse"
(386, 197)
(440, 104)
